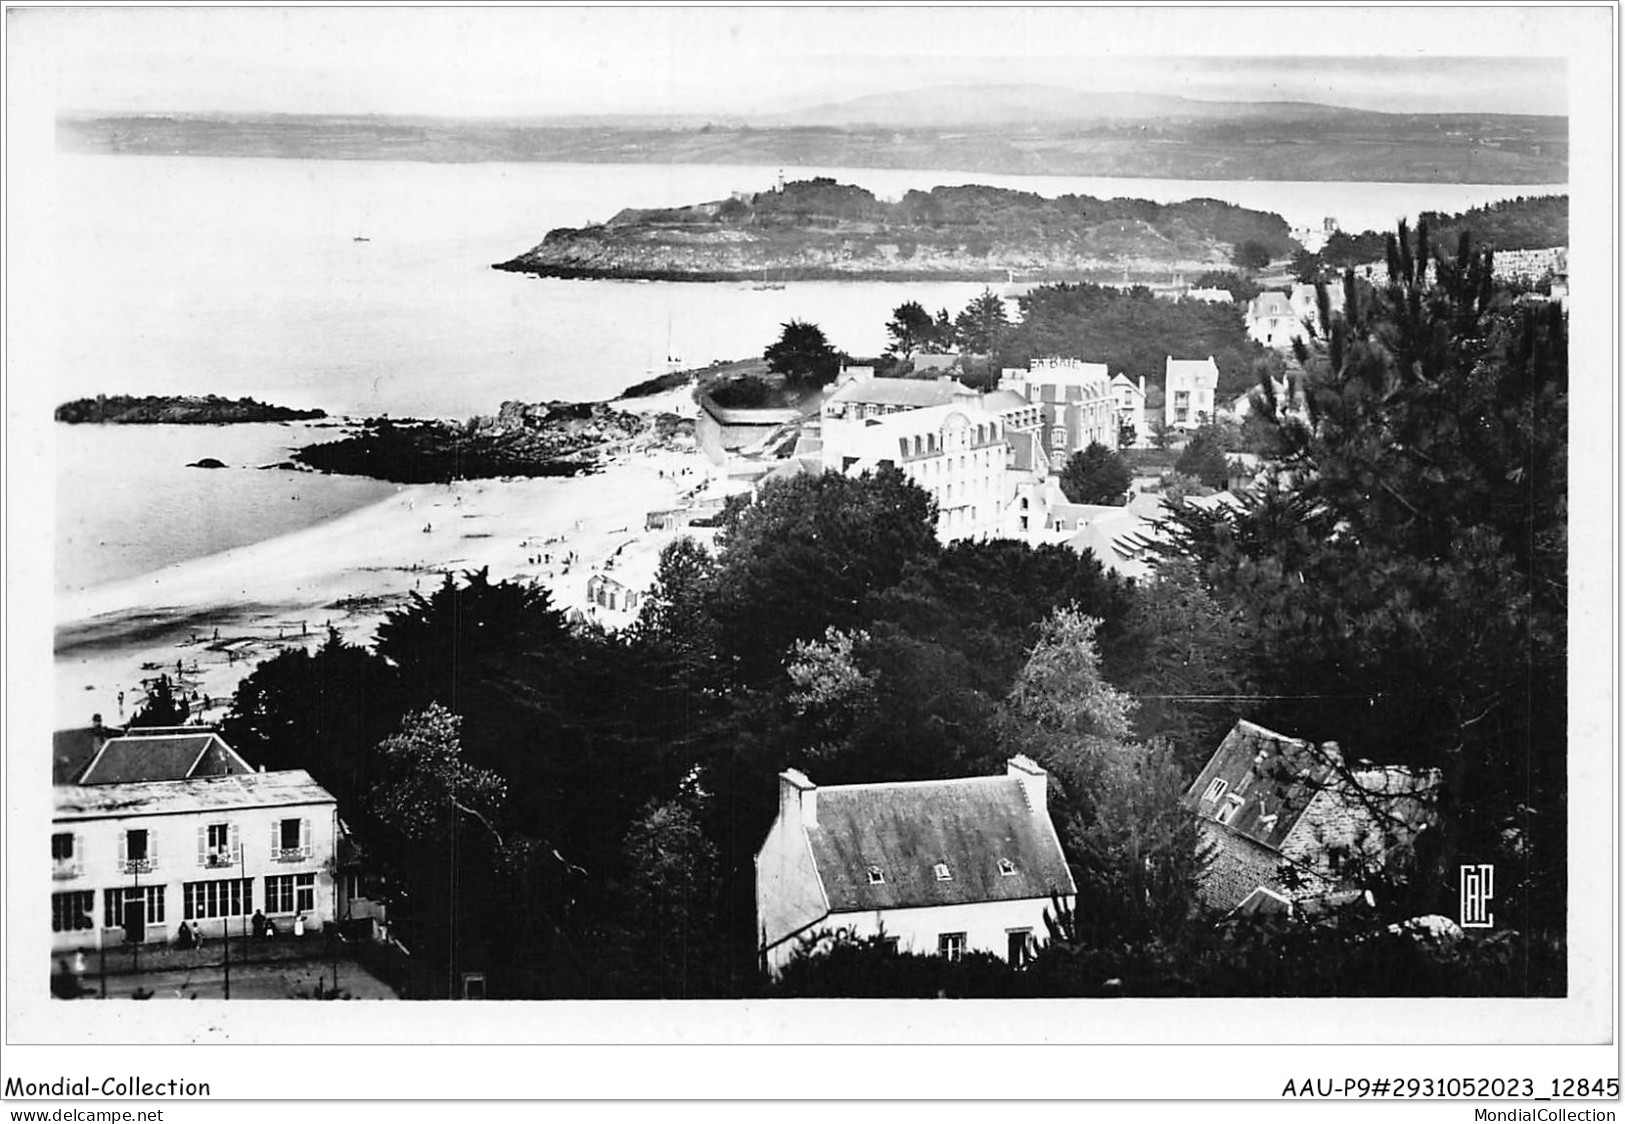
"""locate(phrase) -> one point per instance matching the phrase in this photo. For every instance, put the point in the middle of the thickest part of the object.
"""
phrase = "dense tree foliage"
(1132, 332)
(1096, 474)
(1404, 568)
(163, 707)
(910, 328)
(981, 327)
(802, 355)
(1203, 459)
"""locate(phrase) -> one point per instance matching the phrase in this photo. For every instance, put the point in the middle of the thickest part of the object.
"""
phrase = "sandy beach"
(208, 622)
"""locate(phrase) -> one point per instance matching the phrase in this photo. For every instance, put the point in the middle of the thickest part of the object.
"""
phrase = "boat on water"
(361, 238)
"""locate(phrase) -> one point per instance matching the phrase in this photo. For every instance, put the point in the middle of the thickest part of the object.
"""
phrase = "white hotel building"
(186, 833)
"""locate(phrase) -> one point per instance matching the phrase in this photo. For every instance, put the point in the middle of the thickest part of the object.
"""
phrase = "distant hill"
(1003, 129)
(819, 229)
(1031, 105)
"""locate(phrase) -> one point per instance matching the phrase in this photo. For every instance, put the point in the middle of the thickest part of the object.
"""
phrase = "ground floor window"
(1019, 948)
(223, 897)
(951, 945)
(116, 905)
(73, 911)
(290, 893)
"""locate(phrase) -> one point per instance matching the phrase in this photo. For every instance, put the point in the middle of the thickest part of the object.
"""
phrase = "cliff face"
(819, 230)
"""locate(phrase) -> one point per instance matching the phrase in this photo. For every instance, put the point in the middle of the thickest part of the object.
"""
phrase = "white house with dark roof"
(1286, 821)
(134, 858)
(1189, 386)
(1272, 321)
(941, 867)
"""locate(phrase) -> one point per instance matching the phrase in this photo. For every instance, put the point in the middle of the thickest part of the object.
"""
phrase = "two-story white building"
(1188, 392)
(939, 867)
(133, 858)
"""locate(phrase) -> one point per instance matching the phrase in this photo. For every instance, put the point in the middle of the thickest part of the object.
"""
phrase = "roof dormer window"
(1006, 867)
(1216, 789)
(876, 876)
(942, 872)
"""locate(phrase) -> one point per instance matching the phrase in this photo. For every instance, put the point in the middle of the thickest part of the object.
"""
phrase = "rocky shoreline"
(522, 440)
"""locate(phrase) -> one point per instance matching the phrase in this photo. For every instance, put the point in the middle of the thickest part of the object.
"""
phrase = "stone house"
(1290, 820)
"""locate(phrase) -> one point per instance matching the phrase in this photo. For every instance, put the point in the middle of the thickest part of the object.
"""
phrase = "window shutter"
(123, 847)
(236, 851)
(304, 836)
(202, 844)
(276, 836)
(152, 848)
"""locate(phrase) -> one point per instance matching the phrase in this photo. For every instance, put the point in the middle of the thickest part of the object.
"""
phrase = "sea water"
(365, 288)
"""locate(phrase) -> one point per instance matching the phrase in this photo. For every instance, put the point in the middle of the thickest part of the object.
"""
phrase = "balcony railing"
(215, 860)
(289, 854)
(66, 868)
(137, 866)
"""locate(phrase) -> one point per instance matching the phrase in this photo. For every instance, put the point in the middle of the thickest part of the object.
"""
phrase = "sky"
(736, 61)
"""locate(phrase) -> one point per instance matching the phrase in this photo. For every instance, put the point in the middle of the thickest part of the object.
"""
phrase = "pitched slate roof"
(1203, 369)
(72, 750)
(904, 830)
(1266, 305)
(912, 393)
(170, 757)
(199, 794)
(1273, 776)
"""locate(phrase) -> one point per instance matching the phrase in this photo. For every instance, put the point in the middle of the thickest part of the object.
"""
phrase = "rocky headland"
(821, 230)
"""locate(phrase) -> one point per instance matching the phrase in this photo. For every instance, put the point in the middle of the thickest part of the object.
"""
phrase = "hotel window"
(62, 847)
(876, 876)
(290, 840)
(73, 911)
(138, 851)
(290, 893)
(942, 873)
(224, 897)
(951, 945)
(1006, 868)
(217, 845)
(116, 905)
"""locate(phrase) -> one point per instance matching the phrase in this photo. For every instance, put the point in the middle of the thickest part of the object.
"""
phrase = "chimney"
(1142, 386)
(96, 721)
(1034, 782)
(798, 798)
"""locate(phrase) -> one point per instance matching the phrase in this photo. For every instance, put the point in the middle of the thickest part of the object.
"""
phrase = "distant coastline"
(1273, 142)
(161, 409)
